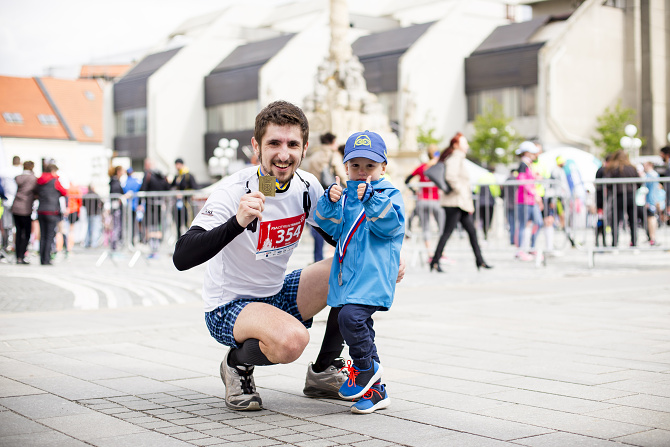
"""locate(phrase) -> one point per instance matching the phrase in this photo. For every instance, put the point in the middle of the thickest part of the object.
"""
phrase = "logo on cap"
(363, 140)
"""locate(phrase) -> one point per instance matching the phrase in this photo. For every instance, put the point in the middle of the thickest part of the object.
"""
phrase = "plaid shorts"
(221, 320)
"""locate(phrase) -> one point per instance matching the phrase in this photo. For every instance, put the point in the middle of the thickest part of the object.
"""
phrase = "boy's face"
(358, 169)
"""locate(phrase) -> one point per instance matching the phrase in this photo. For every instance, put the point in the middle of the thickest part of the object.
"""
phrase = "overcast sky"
(42, 37)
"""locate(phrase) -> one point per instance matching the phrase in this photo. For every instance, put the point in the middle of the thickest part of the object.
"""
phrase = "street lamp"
(224, 155)
(630, 142)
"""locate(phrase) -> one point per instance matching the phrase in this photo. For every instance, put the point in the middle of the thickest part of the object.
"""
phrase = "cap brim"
(364, 154)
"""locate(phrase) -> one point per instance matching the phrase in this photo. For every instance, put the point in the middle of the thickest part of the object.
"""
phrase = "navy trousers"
(356, 327)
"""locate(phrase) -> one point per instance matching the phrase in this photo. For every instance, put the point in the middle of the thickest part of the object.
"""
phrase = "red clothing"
(46, 178)
(427, 192)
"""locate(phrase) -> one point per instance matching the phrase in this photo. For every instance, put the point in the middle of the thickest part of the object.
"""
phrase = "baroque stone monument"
(341, 102)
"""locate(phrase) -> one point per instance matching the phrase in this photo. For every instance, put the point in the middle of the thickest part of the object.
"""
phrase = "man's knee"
(290, 345)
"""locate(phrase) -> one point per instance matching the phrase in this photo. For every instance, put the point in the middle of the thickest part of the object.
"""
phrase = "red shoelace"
(352, 372)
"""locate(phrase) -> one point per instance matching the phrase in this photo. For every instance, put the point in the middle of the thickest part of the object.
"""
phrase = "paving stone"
(148, 439)
(41, 439)
(91, 426)
(39, 406)
(13, 424)
(649, 438)
(562, 439)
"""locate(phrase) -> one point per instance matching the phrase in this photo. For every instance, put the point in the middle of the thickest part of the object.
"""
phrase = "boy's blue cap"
(367, 145)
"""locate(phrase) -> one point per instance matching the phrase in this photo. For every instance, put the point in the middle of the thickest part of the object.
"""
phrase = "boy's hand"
(365, 190)
(335, 190)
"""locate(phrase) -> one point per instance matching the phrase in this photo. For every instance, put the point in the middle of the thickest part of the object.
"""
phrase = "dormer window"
(87, 130)
(89, 95)
(47, 120)
(13, 118)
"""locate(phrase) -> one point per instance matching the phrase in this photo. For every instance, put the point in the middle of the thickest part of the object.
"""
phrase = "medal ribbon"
(342, 248)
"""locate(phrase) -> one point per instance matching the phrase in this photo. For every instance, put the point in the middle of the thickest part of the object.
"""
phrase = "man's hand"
(362, 187)
(251, 207)
(401, 270)
(335, 192)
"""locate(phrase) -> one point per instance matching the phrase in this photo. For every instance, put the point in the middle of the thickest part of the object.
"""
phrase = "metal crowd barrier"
(573, 215)
(147, 224)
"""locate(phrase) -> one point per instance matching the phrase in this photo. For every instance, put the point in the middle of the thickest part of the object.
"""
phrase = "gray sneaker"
(325, 384)
(240, 386)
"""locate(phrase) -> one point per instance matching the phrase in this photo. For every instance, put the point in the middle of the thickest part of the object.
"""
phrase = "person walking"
(458, 205)
(527, 200)
(22, 209)
(49, 191)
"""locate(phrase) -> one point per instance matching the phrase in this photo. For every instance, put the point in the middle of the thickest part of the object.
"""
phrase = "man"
(184, 180)
(247, 237)
(130, 189)
(665, 172)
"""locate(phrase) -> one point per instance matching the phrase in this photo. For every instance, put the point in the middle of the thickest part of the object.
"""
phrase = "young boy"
(367, 219)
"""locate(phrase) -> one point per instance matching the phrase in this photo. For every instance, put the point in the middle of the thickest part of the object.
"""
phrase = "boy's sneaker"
(240, 386)
(360, 380)
(375, 399)
(325, 384)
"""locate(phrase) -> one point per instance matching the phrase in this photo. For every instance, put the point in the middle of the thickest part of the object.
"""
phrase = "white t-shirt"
(254, 263)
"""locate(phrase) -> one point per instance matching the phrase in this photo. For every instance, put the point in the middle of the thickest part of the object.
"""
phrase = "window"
(87, 130)
(131, 122)
(13, 118)
(89, 95)
(47, 120)
(232, 117)
(516, 101)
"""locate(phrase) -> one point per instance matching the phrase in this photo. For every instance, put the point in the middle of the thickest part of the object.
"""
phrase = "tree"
(426, 137)
(610, 128)
(494, 138)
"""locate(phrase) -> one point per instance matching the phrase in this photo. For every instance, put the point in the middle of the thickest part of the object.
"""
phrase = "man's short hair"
(28, 165)
(281, 113)
(16, 160)
(327, 138)
(666, 150)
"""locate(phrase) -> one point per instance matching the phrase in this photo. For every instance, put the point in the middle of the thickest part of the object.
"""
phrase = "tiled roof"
(79, 103)
(23, 96)
(103, 71)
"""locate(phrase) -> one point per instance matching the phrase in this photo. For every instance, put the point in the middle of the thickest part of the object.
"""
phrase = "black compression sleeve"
(198, 245)
(326, 237)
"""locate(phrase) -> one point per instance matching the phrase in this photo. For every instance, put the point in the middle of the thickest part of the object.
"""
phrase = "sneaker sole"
(250, 406)
(372, 381)
(320, 393)
(378, 406)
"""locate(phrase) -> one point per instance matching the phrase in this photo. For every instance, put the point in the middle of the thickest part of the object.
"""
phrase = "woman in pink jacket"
(527, 198)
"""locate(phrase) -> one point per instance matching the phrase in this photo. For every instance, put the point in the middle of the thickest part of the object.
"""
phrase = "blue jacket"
(370, 263)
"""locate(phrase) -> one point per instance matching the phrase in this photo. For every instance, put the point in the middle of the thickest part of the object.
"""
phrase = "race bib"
(277, 237)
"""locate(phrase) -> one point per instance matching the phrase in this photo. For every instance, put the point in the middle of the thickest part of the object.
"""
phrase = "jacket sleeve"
(385, 213)
(198, 245)
(328, 216)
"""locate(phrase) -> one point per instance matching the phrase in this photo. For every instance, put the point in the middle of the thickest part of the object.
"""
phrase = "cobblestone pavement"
(521, 355)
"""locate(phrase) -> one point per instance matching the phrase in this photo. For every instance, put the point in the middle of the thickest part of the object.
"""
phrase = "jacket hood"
(46, 178)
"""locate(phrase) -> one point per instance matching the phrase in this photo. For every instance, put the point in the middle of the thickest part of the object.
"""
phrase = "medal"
(339, 277)
(266, 185)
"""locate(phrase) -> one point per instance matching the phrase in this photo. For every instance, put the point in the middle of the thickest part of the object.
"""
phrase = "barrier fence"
(593, 218)
(565, 219)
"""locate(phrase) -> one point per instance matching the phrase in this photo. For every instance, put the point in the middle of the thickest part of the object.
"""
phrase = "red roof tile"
(80, 104)
(23, 95)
